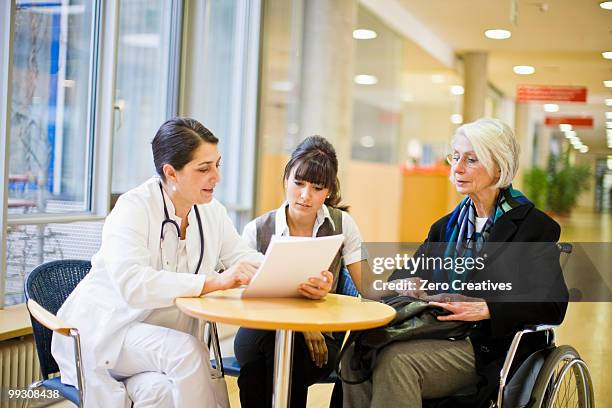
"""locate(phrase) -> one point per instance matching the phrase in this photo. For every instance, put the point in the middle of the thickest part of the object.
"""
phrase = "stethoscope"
(168, 220)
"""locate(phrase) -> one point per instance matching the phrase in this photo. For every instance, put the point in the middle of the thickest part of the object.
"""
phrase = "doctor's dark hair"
(175, 142)
(315, 161)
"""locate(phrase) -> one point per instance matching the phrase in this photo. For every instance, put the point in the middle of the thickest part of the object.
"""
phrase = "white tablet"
(290, 261)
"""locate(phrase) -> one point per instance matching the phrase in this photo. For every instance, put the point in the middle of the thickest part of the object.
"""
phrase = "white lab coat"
(127, 282)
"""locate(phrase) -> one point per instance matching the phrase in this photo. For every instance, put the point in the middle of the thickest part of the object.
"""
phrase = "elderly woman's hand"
(317, 287)
(473, 311)
(412, 288)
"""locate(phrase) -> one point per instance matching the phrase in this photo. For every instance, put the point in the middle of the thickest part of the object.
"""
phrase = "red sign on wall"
(526, 93)
(575, 121)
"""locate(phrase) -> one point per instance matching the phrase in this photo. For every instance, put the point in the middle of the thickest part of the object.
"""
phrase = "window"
(61, 120)
(143, 92)
(50, 141)
(220, 90)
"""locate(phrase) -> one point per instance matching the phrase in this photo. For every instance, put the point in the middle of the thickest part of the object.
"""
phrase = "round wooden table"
(286, 315)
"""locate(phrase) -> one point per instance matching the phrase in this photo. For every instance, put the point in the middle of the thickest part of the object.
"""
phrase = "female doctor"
(162, 240)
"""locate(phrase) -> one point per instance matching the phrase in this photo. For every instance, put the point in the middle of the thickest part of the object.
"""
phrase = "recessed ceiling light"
(364, 34)
(438, 78)
(551, 107)
(456, 118)
(607, 54)
(365, 79)
(564, 127)
(608, 84)
(570, 134)
(584, 149)
(609, 125)
(456, 90)
(523, 69)
(609, 132)
(498, 34)
(608, 115)
(609, 102)
(606, 5)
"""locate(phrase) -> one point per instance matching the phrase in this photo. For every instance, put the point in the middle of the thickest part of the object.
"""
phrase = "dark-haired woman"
(311, 209)
(162, 240)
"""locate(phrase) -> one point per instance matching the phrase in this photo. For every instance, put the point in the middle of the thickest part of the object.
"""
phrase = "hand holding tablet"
(295, 266)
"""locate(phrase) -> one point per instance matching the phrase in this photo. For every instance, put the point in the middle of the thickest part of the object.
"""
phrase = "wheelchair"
(555, 376)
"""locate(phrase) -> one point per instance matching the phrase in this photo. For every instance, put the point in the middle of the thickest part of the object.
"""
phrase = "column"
(327, 74)
(474, 84)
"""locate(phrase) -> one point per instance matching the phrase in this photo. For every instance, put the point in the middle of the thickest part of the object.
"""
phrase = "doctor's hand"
(317, 287)
(315, 343)
(238, 274)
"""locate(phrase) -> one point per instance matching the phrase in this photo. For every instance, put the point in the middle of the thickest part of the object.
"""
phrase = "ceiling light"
(570, 133)
(456, 118)
(606, 5)
(609, 132)
(608, 125)
(364, 34)
(608, 115)
(584, 149)
(609, 102)
(367, 141)
(438, 78)
(456, 89)
(523, 69)
(365, 79)
(498, 34)
(608, 84)
(607, 54)
(564, 127)
(551, 107)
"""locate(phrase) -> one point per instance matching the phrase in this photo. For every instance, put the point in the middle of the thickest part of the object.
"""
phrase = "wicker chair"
(46, 289)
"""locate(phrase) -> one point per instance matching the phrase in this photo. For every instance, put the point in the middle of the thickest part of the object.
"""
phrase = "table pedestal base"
(282, 368)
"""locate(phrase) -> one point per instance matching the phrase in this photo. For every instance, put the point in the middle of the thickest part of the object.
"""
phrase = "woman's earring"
(173, 188)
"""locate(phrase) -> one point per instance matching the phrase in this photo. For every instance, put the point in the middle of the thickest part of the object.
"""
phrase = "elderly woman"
(483, 161)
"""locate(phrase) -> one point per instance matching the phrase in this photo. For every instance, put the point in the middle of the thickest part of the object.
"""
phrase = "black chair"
(46, 289)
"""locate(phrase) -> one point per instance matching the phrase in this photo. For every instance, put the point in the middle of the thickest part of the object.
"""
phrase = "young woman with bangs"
(311, 209)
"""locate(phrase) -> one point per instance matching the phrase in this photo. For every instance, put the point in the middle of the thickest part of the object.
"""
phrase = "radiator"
(19, 367)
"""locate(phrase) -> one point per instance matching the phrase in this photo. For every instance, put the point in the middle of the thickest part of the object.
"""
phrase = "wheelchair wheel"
(564, 381)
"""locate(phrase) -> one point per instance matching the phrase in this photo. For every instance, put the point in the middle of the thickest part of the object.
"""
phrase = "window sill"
(14, 322)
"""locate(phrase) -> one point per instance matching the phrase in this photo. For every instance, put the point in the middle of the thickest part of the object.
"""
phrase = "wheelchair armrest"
(505, 371)
(539, 328)
(48, 319)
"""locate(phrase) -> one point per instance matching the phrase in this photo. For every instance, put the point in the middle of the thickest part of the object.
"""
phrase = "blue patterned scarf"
(461, 235)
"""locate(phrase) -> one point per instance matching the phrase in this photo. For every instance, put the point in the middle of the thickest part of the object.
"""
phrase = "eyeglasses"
(453, 159)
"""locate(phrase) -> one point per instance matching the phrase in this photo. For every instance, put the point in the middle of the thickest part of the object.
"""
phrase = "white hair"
(495, 146)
